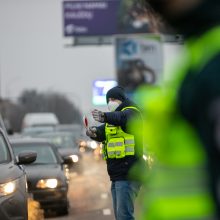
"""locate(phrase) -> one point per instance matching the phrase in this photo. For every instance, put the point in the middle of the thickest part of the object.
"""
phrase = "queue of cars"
(66, 144)
(37, 163)
(58, 155)
(47, 177)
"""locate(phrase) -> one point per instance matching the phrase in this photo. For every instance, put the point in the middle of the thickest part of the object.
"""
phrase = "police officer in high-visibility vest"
(120, 149)
(183, 118)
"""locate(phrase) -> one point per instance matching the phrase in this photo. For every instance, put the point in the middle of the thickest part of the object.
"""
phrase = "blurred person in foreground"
(183, 118)
(120, 149)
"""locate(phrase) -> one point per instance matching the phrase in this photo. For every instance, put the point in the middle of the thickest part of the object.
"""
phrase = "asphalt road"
(89, 193)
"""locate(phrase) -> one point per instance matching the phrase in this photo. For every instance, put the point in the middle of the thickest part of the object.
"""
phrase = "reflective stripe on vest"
(118, 143)
(129, 141)
(178, 187)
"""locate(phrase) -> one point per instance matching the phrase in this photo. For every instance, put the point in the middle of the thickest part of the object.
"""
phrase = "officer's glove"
(98, 115)
(91, 132)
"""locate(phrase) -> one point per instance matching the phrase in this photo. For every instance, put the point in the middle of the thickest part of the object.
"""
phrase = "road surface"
(89, 193)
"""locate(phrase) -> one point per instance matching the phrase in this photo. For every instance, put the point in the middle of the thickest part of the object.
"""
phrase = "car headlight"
(75, 158)
(7, 188)
(93, 144)
(82, 144)
(47, 183)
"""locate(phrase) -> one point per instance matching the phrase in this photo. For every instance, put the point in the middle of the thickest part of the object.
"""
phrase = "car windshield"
(45, 154)
(4, 151)
(63, 141)
(36, 130)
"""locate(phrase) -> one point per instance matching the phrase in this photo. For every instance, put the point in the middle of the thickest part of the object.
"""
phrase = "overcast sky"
(33, 53)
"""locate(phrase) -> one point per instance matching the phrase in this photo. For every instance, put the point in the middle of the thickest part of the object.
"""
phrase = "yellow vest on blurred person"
(177, 188)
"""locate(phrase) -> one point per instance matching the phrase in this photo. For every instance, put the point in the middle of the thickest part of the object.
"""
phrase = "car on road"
(35, 123)
(13, 185)
(76, 129)
(35, 130)
(39, 119)
(67, 147)
(47, 177)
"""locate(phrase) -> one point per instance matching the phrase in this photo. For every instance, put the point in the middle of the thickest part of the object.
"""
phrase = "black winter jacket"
(199, 102)
(199, 95)
(118, 169)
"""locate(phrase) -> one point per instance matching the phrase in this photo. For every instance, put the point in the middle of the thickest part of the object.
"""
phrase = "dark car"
(35, 130)
(13, 185)
(46, 177)
(67, 147)
(75, 129)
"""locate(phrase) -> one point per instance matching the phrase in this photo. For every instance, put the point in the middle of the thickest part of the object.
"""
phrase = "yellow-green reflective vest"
(118, 143)
(177, 188)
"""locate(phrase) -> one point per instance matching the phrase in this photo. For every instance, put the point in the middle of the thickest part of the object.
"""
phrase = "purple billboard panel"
(90, 18)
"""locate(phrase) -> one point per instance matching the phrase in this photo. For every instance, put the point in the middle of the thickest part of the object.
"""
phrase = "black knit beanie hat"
(116, 93)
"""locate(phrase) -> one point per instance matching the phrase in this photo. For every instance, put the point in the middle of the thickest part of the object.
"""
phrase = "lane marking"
(106, 211)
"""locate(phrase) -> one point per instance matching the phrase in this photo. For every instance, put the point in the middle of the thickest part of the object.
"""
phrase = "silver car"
(13, 185)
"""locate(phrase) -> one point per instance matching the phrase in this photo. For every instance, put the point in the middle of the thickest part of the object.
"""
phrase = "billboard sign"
(100, 88)
(89, 17)
(105, 17)
(139, 60)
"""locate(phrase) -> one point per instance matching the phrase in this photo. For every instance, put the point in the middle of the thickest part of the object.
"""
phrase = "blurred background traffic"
(57, 61)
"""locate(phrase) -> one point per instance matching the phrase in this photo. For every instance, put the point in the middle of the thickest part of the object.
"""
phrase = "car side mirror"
(67, 160)
(27, 157)
(10, 131)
